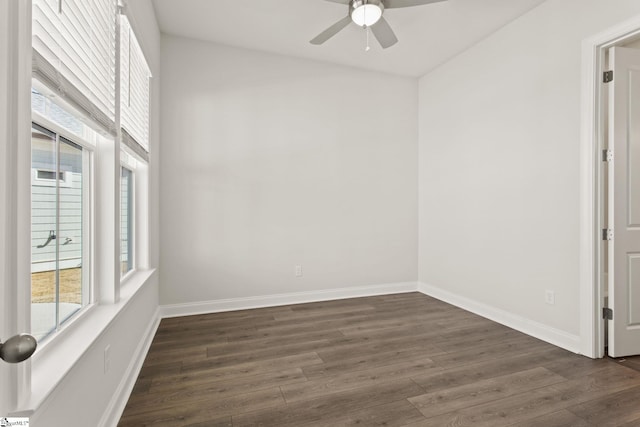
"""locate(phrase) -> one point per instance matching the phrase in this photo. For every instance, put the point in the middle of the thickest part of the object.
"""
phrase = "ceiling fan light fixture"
(366, 13)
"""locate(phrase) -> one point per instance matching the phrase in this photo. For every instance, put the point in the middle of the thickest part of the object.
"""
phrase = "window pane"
(71, 231)
(59, 281)
(126, 221)
(44, 261)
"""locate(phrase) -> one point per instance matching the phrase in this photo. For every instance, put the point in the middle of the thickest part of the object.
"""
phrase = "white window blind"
(134, 91)
(74, 53)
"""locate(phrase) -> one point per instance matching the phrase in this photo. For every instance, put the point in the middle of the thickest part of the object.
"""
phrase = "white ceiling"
(428, 35)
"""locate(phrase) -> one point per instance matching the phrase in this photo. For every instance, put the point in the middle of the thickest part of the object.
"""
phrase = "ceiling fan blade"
(384, 34)
(394, 4)
(331, 31)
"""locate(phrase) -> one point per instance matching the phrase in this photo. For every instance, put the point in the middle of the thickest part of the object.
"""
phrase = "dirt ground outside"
(43, 286)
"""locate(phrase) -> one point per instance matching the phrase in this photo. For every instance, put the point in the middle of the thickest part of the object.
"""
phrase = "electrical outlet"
(107, 358)
(298, 271)
(550, 297)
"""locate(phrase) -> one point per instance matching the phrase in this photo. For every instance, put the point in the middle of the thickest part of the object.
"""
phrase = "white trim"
(591, 296)
(231, 304)
(535, 329)
(112, 414)
(589, 221)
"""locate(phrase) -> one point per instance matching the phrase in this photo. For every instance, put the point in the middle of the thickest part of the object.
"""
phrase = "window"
(77, 48)
(60, 255)
(49, 175)
(126, 221)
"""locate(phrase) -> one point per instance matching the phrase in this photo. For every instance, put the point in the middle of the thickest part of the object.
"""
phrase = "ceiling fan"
(368, 14)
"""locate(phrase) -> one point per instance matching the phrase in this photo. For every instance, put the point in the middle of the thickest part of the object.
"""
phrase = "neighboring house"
(43, 202)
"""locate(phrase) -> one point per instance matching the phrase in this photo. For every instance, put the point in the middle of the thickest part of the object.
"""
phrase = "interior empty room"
(320, 213)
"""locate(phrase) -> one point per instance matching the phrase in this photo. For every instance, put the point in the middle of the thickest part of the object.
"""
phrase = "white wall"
(499, 164)
(270, 162)
(87, 394)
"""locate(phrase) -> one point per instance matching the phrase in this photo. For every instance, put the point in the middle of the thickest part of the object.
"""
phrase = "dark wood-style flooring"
(394, 360)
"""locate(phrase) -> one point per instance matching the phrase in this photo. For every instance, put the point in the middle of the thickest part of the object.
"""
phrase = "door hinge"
(608, 76)
(607, 155)
(607, 313)
(607, 234)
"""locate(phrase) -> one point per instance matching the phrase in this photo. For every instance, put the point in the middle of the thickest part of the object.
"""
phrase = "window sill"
(51, 364)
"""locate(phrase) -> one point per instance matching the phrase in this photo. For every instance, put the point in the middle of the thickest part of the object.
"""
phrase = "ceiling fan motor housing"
(358, 5)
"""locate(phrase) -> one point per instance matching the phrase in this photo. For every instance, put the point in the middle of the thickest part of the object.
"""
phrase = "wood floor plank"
(518, 345)
(536, 403)
(220, 422)
(394, 414)
(319, 313)
(293, 328)
(363, 361)
(194, 378)
(195, 340)
(611, 411)
(392, 321)
(321, 387)
(480, 338)
(332, 304)
(236, 314)
(469, 330)
(203, 391)
(267, 353)
(164, 369)
(329, 408)
(211, 323)
(243, 346)
(348, 351)
(486, 369)
(159, 356)
(574, 367)
(193, 413)
(456, 398)
(561, 418)
(632, 362)
(634, 423)
(141, 386)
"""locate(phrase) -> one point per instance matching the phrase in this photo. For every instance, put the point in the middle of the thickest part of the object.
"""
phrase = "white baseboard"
(116, 406)
(218, 306)
(535, 329)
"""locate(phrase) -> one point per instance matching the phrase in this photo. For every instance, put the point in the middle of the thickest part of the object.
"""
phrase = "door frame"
(15, 136)
(592, 330)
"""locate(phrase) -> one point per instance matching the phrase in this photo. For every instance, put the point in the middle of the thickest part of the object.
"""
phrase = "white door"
(624, 202)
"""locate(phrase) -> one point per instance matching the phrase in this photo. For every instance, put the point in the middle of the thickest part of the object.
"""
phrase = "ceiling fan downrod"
(367, 48)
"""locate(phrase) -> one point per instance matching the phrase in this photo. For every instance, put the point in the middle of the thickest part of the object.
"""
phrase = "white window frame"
(88, 246)
(128, 162)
